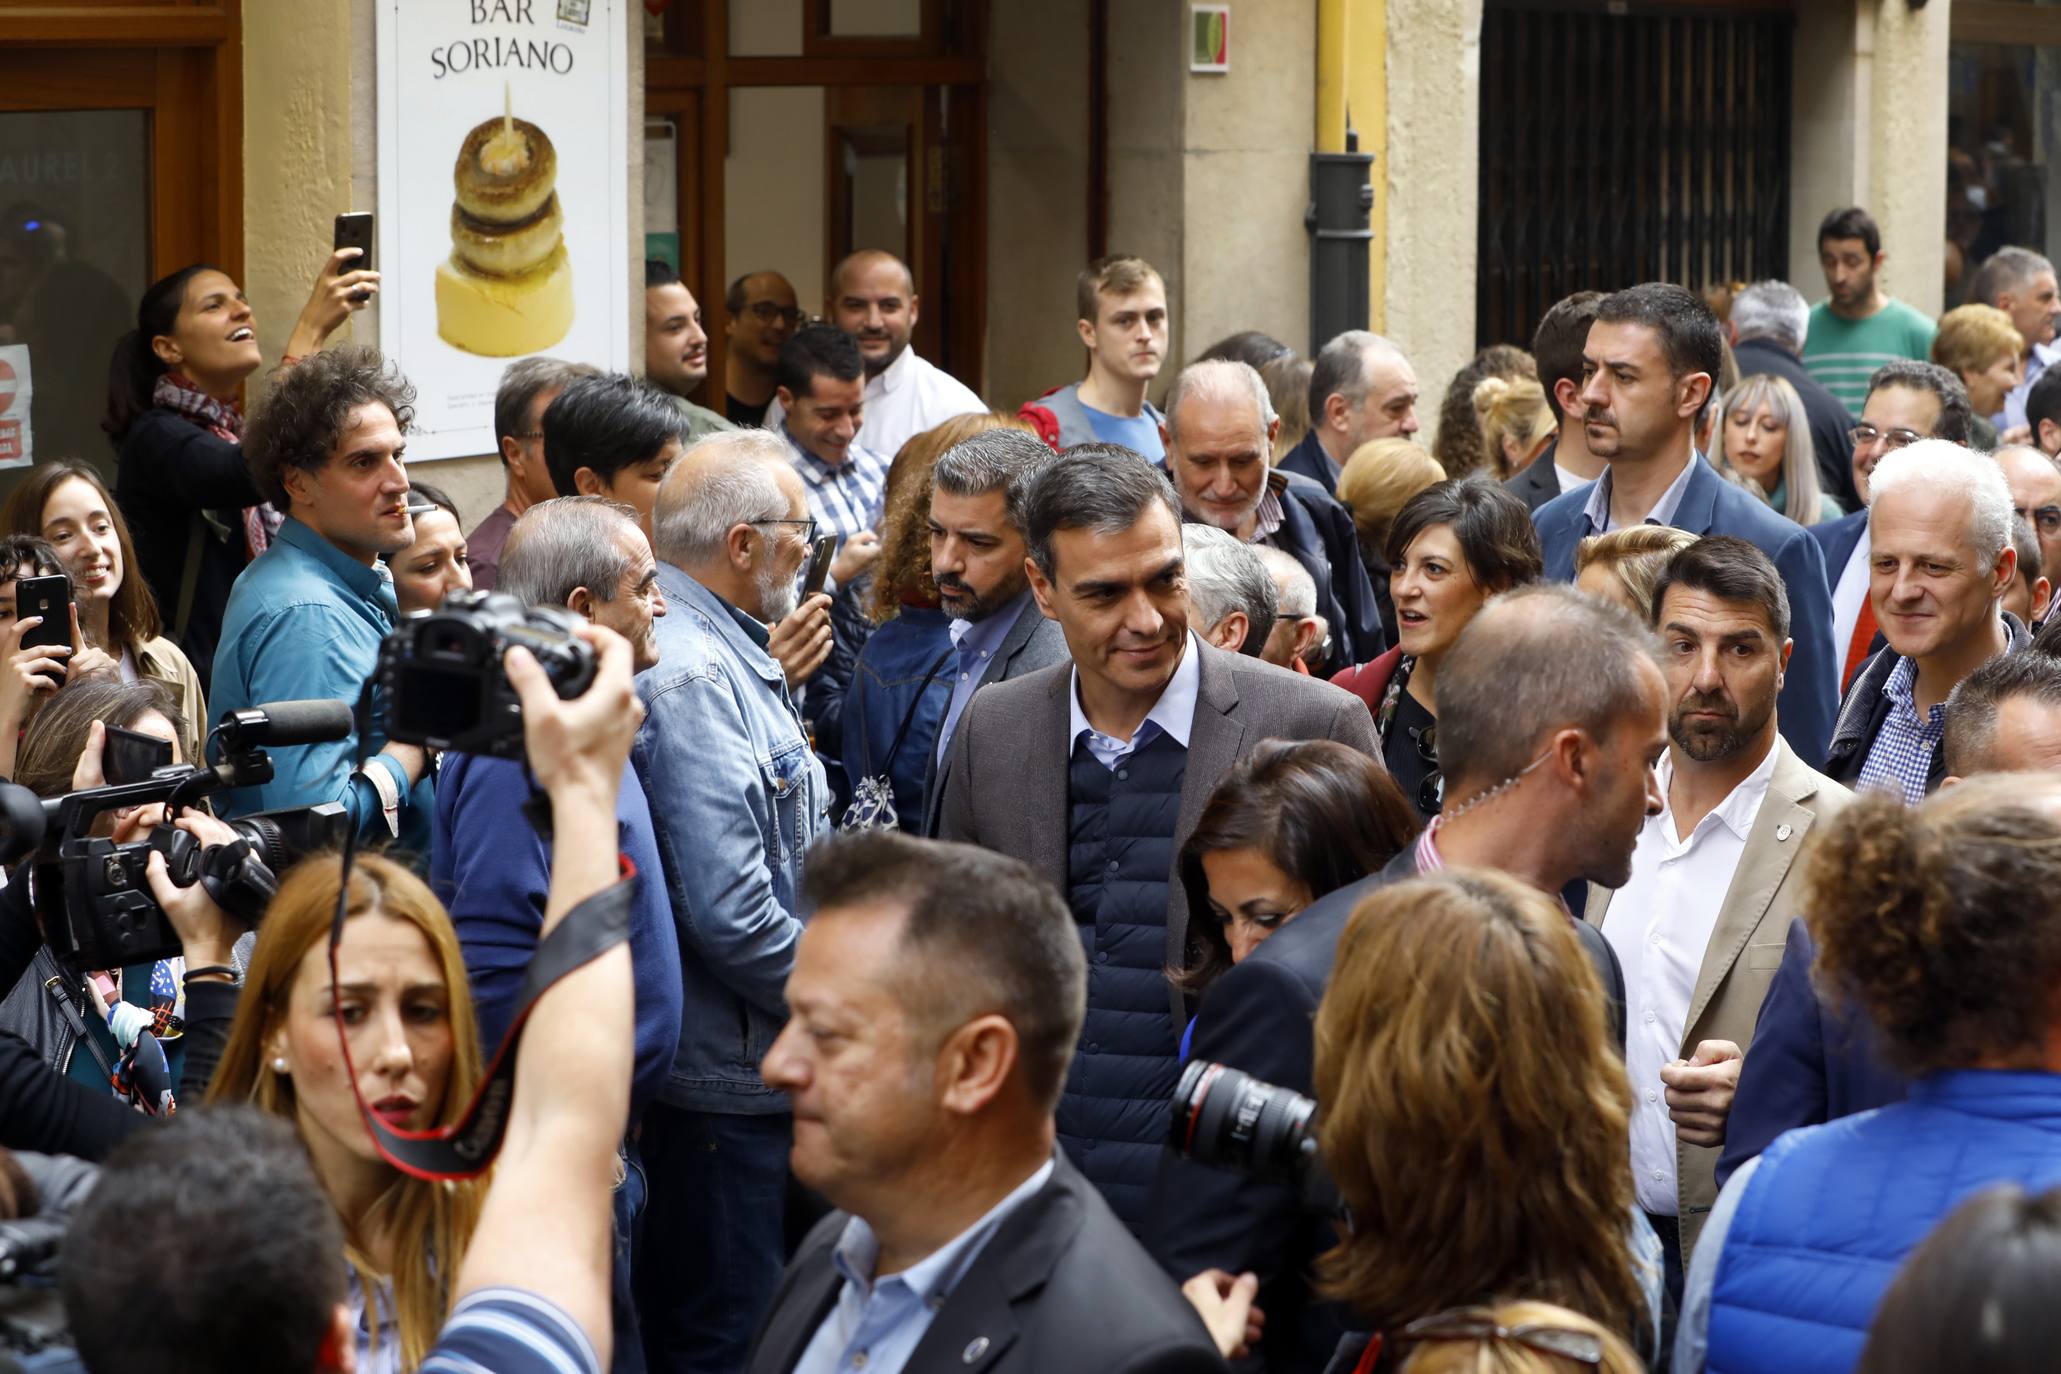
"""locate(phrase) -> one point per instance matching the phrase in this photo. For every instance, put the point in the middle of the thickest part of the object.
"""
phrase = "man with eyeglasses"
(1907, 401)
(2035, 482)
(760, 312)
(528, 387)
(737, 798)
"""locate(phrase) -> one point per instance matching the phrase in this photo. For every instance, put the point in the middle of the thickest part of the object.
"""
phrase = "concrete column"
(1907, 152)
(1148, 88)
(1432, 174)
(1829, 112)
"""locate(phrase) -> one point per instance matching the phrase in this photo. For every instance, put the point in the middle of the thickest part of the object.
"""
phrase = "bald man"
(873, 299)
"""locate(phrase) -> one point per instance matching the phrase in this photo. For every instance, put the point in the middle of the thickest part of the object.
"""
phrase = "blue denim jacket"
(737, 798)
(305, 621)
(885, 683)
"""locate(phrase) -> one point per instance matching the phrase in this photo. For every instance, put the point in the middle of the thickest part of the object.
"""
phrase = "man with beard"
(1648, 366)
(736, 797)
(1218, 433)
(1550, 785)
(977, 494)
(1857, 328)
(1715, 882)
(676, 346)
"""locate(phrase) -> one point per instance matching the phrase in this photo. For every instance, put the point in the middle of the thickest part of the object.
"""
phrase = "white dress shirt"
(1173, 714)
(905, 398)
(1850, 593)
(1660, 925)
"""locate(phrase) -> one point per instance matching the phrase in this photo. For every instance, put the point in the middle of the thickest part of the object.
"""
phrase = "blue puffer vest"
(1120, 849)
(1832, 1211)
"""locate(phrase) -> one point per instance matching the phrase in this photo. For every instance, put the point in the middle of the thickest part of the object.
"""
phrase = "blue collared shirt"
(1597, 511)
(1172, 715)
(847, 498)
(1900, 759)
(304, 621)
(978, 641)
(877, 1325)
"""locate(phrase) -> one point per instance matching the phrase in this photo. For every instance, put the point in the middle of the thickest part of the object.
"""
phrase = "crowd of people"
(1605, 815)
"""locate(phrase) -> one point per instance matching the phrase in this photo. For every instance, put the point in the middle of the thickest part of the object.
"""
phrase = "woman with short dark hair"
(1290, 822)
(1453, 546)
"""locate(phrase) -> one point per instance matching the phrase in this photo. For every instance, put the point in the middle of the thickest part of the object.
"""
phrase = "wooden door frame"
(183, 63)
(697, 72)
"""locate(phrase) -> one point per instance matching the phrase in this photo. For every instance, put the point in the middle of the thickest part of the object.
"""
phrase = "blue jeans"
(713, 1248)
(629, 1226)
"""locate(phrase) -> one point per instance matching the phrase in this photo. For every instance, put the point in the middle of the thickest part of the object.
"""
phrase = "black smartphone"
(50, 598)
(354, 230)
(132, 756)
(819, 564)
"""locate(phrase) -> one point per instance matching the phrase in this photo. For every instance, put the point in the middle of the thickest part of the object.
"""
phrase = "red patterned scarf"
(223, 419)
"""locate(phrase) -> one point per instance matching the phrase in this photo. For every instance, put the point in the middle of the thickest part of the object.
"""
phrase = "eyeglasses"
(1431, 793)
(1473, 1324)
(1891, 440)
(807, 527)
(765, 312)
(2046, 519)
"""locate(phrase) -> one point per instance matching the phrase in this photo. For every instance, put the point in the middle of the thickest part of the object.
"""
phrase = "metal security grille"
(1622, 144)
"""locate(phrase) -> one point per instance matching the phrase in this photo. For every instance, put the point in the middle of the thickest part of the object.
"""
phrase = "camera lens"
(1232, 1120)
(266, 841)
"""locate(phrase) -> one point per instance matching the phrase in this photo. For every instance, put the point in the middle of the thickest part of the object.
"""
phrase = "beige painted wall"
(773, 187)
(1246, 180)
(1434, 124)
(1147, 172)
(1037, 196)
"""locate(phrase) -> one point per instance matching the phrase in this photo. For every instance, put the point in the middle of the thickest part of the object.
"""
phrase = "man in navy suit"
(1647, 370)
(1362, 388)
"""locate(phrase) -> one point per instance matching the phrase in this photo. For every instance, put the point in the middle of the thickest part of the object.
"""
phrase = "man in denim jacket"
(736, 797)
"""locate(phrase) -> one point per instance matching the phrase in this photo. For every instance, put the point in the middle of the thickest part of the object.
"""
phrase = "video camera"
(1230, 1120)
(440, 674)
(91, 895)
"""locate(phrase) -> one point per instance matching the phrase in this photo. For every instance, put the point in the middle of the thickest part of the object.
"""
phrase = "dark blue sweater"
(492, 872)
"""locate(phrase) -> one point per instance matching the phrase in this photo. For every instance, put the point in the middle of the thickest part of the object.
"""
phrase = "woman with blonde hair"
(1514, 1338)
(899, 690)
(1764, 436)
(1623, 565)
(402, 999)
(1475, 1115)
(1376, 482)
(1516, 423)
(1980, 345)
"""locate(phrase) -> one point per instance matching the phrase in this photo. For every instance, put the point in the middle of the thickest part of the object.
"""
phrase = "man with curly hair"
(306, 617)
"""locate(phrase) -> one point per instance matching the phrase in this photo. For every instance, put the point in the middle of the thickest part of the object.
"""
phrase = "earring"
(279, 1064)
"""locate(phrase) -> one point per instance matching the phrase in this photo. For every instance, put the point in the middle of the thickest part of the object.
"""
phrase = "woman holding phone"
(173, 416)
(34, 672)
(69, 507)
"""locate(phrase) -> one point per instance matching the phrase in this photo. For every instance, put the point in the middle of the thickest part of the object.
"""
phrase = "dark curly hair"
(1457, 444)
(301, 419)
(1943, 921)
(1494, 530)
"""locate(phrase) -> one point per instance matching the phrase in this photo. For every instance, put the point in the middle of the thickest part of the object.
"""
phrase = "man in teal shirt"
(1857, 328)
(306, 618)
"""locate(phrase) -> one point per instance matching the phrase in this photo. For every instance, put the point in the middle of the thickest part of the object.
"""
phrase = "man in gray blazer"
(977, 491)
(936, 998)
(1095, 772)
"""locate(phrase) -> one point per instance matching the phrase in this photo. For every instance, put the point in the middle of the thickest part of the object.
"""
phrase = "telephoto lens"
(1231, 1120)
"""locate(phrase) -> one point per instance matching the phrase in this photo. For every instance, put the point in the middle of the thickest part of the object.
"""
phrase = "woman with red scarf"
(173, 415)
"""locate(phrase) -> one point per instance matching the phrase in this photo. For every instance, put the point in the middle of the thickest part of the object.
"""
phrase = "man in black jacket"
(1769, 321)
(1557, 345)
(1218, 432)
(936, 996)
(1551, 785)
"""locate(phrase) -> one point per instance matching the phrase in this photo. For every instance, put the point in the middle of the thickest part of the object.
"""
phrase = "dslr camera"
(1231, 1120)
(440, 676)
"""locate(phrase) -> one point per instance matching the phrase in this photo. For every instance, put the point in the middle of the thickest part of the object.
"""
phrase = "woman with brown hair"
(1376, 482)
(1514, 1338)
(1476, 1116)
(402, 999)
(1942, 923)
(899, 689)
(68, 506)
(1291, 821)
(1453, 546)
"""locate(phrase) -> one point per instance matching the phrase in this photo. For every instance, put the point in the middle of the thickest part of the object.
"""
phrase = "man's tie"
(1864, 629)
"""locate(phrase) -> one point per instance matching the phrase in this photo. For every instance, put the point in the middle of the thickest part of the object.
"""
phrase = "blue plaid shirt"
(846, 498)
(1900, 759)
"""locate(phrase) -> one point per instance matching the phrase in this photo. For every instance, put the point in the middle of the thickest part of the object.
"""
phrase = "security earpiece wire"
(468, 1145)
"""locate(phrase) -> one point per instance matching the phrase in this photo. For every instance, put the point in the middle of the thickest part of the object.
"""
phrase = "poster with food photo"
(503, 199)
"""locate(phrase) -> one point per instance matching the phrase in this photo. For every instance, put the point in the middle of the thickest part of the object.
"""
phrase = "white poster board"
(17, 443)
(503, 199)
